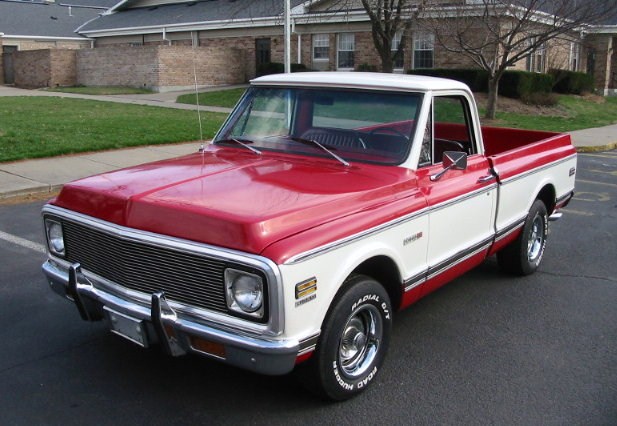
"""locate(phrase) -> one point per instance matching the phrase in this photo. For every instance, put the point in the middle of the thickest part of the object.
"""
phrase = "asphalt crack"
(590, 277)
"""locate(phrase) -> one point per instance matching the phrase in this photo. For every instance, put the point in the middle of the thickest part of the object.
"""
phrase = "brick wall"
(32, 68)
(213, 67)
(63, 68)
(158, 67)
(602, 45)
(56, 77)
(245, 47)
(118, 66)
(365, 51)
(44, 68)
(306, 53)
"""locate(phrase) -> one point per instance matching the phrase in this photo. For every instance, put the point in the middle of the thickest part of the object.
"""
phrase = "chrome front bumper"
(177, 333)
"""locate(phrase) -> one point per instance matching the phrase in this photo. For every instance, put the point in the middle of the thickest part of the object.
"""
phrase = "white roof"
(361, 80)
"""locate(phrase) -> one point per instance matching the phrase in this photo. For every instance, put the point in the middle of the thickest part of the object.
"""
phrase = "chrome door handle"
(486, 178)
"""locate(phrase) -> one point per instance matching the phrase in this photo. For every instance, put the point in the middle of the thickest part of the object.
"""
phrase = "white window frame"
(396, 41)
(575, 56)
(536, 61)
(321, 40)
(423, 42)
(341, 37)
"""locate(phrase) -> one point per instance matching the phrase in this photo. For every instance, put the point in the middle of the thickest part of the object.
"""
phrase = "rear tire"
(523, 256)
(353, 342)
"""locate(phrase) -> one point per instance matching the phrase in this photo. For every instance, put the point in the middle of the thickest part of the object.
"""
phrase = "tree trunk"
(493, 91)
(386, 65)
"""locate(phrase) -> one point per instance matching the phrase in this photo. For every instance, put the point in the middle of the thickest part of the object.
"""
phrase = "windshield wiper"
(314, 142)
(244, 142)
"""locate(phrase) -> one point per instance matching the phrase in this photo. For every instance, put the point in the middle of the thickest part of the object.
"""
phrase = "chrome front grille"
(189, 278)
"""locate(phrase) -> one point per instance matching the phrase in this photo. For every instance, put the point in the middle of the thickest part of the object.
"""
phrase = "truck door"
(461, 202)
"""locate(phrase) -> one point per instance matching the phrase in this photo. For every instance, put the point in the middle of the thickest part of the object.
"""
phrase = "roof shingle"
(187, 13)
(42, 19)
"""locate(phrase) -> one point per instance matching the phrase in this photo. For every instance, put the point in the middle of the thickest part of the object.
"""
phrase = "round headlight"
(245, 292)
(56, 238)
(248, 292)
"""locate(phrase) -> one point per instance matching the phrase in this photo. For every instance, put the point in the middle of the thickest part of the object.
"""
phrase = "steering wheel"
(390, 130)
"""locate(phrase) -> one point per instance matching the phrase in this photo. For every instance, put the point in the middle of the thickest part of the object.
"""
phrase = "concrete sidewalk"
(165, 99)
(49, 174)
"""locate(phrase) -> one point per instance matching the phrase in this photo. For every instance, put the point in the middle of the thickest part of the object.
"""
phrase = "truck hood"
(229, 198)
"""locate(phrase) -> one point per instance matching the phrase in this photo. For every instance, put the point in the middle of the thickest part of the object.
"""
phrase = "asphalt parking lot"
(486, 349)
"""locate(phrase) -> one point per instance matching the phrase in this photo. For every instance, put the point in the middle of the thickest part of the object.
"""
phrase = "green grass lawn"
(102, 90)
(576, 112)
(220, 98)
(580, 113)
(33, 127)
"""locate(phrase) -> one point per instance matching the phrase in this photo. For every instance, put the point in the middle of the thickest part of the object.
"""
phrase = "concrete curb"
(598, 148)
(30, 192)
(47, 178)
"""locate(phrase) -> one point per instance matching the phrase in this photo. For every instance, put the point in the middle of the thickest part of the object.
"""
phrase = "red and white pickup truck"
(326, 202)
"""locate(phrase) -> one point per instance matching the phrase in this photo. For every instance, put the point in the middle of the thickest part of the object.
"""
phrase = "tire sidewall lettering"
(363, 381)
(356, 384)
(375, 300)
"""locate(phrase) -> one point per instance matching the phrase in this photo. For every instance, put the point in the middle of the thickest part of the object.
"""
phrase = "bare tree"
(389, 17)
(496, 34)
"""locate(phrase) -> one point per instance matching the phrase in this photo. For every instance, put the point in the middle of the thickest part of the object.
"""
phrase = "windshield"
(353, 125)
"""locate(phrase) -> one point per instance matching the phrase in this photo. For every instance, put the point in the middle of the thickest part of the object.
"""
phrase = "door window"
(448, 129)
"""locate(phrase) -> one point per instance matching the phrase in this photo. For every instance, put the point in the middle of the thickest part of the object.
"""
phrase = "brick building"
(158, 43)
(36, 26)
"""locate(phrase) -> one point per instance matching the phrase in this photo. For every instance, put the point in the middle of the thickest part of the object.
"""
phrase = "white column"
(287, 60)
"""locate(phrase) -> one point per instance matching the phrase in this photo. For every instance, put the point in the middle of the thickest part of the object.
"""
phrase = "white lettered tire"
(353, 342)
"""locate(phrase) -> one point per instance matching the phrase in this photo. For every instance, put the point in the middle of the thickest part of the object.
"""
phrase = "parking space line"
(613, 172)
(601, 197)
(577, 212)
(593, 182)
(14, 239)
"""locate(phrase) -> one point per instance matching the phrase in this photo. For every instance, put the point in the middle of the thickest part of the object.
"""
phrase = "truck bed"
(515, 151)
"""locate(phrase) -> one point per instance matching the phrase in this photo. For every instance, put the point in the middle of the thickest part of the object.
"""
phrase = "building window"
(263, 52)
(346, 47)
(574, 56)
(536, 61)
(321, 47)
(423, 50)
(399, 59)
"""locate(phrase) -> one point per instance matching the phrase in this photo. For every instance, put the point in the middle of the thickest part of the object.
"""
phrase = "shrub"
(278, 68)
(540, 98)
(366, 67)
(571, 82)
(519, 84)
(476, 79)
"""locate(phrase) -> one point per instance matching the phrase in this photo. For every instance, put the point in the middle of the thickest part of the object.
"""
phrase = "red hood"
(233, 199)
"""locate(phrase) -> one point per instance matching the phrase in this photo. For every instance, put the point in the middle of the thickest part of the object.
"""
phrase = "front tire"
(524, 255)
(353, 342)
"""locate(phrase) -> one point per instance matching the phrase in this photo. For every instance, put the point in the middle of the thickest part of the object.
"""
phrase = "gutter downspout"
(299, 49)
(165, 36)
(287, 32)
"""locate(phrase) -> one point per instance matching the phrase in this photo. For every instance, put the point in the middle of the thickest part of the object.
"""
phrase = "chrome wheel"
(523, 255)
(536, 239)
(360, 340)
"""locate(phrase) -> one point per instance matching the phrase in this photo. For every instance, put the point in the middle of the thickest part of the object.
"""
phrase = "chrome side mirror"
(451, 160)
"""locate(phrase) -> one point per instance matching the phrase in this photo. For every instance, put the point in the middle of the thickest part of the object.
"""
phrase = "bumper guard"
(176, 333)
